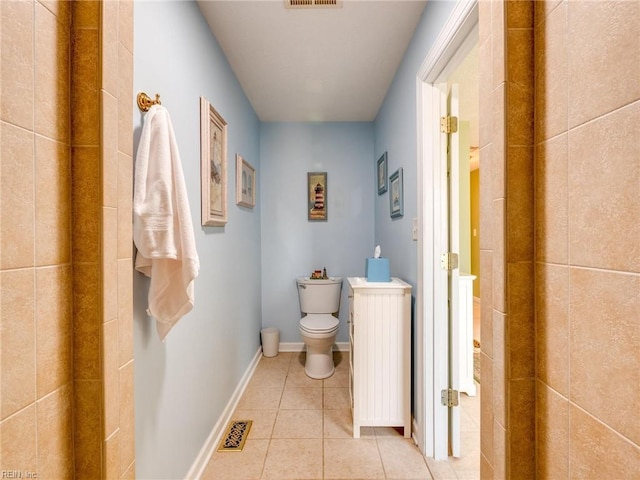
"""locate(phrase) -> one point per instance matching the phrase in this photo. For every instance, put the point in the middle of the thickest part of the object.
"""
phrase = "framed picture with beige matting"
(213, 165)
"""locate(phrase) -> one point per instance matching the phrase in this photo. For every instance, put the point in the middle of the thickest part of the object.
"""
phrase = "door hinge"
(448, 124)
(449, 397)
(449, 261)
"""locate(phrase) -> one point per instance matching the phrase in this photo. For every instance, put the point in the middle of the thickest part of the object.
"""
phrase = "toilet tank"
(319, 296)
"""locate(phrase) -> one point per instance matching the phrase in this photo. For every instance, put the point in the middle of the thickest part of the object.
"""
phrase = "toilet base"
(319, 365)
(319, 361)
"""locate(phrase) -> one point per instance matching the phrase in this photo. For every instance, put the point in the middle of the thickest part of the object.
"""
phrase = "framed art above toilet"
(317, 196)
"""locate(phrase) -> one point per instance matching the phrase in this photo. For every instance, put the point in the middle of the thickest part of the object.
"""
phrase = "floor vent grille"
(235, 436)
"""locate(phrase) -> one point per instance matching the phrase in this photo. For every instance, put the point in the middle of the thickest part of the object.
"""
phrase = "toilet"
(319, 304)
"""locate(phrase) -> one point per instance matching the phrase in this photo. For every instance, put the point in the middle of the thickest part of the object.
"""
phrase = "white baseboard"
(201, 461)
(300, 347)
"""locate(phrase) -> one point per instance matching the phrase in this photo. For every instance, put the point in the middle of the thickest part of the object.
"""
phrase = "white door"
(450, 130)
(446, 304)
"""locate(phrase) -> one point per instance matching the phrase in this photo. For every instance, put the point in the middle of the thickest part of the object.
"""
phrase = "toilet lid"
(320, 322)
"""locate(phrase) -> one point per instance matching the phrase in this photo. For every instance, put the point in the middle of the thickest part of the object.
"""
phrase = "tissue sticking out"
(376, 252)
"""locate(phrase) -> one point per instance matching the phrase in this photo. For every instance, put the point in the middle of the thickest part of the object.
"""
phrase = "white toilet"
(319, 303)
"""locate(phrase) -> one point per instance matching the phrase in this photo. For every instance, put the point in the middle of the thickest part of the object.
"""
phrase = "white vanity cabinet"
(380, 354)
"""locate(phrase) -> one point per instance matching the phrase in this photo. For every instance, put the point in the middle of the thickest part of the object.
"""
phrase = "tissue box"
(377, 270)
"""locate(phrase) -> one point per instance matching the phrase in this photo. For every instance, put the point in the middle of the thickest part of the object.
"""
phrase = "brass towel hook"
(145, 102)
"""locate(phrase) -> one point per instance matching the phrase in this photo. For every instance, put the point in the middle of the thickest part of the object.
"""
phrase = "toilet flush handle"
(302, 285)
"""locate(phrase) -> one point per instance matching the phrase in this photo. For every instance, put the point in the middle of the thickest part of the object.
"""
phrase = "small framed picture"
(213, 165)
(396, 195)
(245, 183)
(317, 196)
(382, 174)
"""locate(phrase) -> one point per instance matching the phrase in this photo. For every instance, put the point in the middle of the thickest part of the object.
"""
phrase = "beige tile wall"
(65, 239)
(35, 241)
(562, 249)
(587, 169)
(507, 240)
(103, 175)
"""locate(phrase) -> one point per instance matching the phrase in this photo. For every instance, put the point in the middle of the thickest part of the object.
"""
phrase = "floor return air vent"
(235, 436)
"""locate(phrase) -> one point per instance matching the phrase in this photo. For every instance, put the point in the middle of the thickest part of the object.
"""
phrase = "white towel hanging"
(162, 226)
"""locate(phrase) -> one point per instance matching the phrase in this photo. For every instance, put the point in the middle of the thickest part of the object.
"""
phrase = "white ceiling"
(333, 64)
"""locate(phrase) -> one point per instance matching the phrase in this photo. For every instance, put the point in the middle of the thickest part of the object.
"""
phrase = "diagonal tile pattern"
(302, 430)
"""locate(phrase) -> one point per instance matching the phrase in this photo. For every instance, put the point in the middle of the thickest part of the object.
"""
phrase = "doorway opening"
(446, 431)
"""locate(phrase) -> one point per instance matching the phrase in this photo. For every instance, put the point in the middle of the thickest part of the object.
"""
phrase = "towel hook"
(145, 102)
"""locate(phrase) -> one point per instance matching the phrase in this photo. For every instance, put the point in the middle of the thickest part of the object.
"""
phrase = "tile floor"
(302, 430)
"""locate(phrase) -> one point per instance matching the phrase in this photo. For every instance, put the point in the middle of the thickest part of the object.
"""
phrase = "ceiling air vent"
(313, 3)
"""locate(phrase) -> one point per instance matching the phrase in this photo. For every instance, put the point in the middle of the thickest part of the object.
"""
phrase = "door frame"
(432, 356)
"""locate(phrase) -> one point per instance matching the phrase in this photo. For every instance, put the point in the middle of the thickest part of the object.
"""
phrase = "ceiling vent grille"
(313, 3)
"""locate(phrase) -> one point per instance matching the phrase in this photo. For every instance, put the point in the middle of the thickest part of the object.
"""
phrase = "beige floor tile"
(244, 465)
(273, 376)
(298, 424)
(301, 398)
(468, 474)
(263, 421)
(297, 377)
(294, 459)
(401, 458)
(352, 458)
(467, 423)
(260, 398)
(338, 423)
(441, 470)
(280, 359)
(340, 378)
(336, 398)
(341, 360)
(302, 429)
(469, 453)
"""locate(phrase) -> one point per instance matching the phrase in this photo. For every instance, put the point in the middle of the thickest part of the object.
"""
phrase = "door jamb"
(431, 425)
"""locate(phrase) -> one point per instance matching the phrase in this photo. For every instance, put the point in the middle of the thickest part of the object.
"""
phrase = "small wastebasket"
(270, 341)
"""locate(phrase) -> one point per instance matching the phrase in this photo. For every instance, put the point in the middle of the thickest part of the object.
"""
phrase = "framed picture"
(317, 196)
(245, 183)
(213, 165)
(396, 195)
(382, 174)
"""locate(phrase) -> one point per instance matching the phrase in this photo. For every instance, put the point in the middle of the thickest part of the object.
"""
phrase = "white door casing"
(455, 40)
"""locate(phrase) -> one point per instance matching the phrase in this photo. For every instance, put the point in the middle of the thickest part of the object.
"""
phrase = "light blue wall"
(395, 133)
(182, 385)
(291, 245)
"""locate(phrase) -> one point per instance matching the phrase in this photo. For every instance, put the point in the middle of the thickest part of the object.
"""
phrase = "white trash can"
(270, 341)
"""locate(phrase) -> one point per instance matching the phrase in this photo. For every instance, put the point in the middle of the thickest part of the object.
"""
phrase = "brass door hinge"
(449, 261)
(448, 124)
(449, 397)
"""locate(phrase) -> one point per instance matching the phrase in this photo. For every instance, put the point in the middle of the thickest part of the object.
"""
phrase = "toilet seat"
(319, 323)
